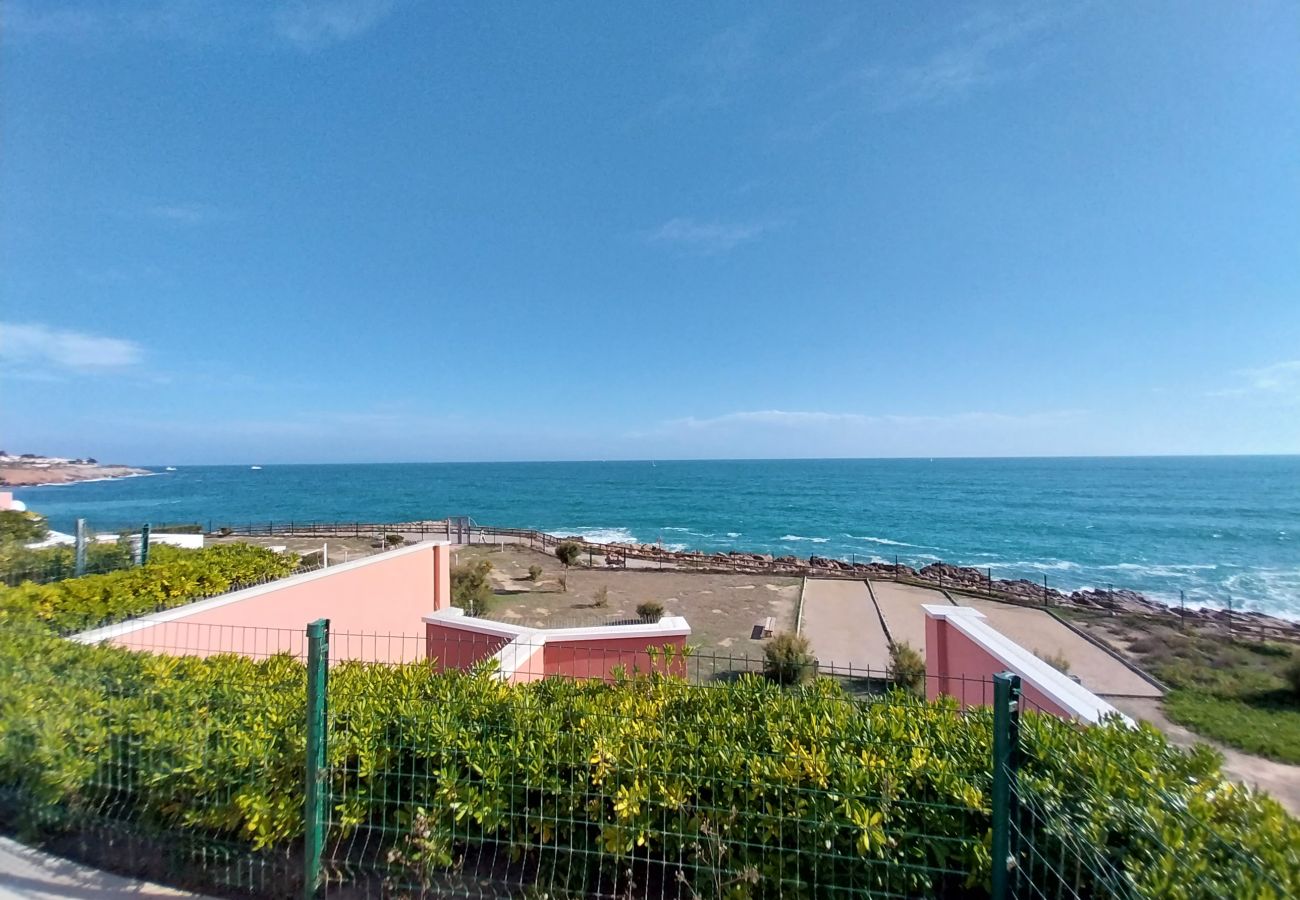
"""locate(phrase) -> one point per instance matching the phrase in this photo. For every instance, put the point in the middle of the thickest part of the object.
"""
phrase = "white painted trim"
(515, 655)
(1060, 689)
(130, 626)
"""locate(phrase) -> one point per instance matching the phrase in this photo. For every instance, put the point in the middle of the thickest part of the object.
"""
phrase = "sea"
(1205, 531)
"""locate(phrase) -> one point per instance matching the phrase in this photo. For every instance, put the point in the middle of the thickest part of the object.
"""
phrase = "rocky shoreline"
(968, 580)
(32, 471)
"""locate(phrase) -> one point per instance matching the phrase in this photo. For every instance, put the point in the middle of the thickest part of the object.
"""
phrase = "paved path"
(900, 605)
(1039, 632)
(843, 627)
(26, 873)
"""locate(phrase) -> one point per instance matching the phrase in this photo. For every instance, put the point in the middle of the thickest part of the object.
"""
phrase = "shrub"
(21, 527)
(907, 667)
(394, 540)
(173, 577)
(1293, 676)
(562, 580)
(471, 588)
(534, 572)
(651, 610)
(602, 597)
(568, 552)
(1056, 660)
(788, 659)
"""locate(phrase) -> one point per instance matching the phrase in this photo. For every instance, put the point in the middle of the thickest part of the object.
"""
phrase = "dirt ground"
(721, 609)
(340, 549)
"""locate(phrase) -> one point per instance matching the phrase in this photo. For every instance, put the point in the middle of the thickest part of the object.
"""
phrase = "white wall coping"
(1065, 692)
(108, 632)
(453, 617)
(514, 656)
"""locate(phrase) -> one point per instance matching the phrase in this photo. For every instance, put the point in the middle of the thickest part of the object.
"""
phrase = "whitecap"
(598, 535)
(733, 534)
(798, 537)
(880, 540)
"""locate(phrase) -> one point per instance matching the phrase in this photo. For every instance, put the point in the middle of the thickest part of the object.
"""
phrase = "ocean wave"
(1056, 565)
(799, 537)
(598, 535)
(1160, 570)
(880, 540)
(733, 534)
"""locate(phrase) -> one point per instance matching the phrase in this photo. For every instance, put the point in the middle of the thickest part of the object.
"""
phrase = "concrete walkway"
(26, 873)
(843, 627)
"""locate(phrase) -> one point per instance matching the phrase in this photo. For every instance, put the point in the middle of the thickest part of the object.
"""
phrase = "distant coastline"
(30, 470)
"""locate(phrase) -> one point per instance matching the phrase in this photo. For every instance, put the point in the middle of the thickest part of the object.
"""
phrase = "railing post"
(80, 565)
(1006, 742)
(318, 643)
(144, 544)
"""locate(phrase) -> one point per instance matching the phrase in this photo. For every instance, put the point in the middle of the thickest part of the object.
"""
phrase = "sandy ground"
(1038, 631)
(27, 873)
(340, 549)
(722, 609)
(900, 607)
(1279, 779)
(843, 627)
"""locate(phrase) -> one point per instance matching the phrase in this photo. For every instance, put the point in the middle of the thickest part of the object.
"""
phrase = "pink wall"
(375, 607)
(599, 657)
(448, 647)
(958, 667)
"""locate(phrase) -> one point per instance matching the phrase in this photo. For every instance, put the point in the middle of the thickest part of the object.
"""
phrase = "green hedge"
(798, 792)
(173, 576)
(801, 787)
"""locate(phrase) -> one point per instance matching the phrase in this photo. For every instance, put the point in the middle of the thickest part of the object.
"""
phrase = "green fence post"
(144, 545)
(80, 554)
(1006, 740)
(318, 644)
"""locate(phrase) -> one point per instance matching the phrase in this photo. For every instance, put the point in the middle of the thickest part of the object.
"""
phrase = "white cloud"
(310, 24)
(37, 349)
(304, 24)
(1280, 379)
(709, 237)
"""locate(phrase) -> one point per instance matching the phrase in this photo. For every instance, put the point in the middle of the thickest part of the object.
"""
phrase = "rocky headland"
(29, 469)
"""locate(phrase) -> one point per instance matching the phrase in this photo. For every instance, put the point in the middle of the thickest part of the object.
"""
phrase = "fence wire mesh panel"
(168, 761)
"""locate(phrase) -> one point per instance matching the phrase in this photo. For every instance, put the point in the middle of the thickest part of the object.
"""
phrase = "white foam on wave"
(880, 540)
(799, 537)
(598, 535)
(1056, 565)
(733, 534)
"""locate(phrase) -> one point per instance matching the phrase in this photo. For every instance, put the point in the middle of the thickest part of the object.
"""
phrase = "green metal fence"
(273, 773)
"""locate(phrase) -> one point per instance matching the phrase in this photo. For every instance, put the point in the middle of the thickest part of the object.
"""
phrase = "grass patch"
(1234, 691)
(1271, 731)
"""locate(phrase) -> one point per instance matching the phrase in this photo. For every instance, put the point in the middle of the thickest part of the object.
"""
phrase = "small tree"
(788, 659)
(534, 572)
(18, 526)
(471, 589)
(394, 540)
(907, 667)
(651, 610)
(567, 552)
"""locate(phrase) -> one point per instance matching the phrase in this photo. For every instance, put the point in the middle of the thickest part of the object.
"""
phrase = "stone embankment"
(963, 579)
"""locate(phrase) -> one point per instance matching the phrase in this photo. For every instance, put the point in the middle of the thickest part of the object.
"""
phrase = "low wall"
(455, 640)
(963, 653)
(375, 606)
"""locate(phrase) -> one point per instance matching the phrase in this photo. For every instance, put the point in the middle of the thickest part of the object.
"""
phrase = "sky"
(391, 230)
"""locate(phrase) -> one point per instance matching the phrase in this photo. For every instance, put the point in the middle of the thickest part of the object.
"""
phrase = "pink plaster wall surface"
(375, 607)
(449, 647)
(958, 667)
(599, 657)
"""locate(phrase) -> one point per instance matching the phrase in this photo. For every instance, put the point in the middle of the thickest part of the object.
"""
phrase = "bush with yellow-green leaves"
(749, 790)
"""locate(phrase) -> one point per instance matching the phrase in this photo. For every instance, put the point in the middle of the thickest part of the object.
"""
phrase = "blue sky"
(360, 230)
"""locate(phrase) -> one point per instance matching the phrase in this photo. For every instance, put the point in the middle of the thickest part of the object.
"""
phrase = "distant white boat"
(255, 467)
(171, 468)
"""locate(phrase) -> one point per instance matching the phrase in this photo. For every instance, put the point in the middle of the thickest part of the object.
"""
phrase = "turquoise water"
(1216, 528)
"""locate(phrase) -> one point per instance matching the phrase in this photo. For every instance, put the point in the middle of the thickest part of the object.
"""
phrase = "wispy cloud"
(40, 350)
(311, 25)
(1280, 379)
(185, 213)
(304, 24)
(709, 237)
(797, 419)
(714, 71)
(980, 51)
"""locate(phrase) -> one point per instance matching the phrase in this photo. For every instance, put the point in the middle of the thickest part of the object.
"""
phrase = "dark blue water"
(1217, 528)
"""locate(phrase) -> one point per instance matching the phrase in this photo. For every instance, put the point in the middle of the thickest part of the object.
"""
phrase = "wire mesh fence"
(273, 762)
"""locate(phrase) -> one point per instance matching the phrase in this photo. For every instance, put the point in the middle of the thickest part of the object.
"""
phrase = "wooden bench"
(767, 626)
